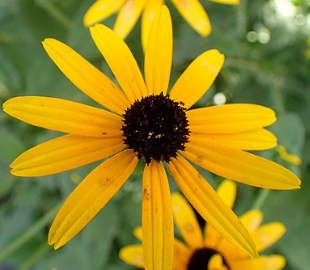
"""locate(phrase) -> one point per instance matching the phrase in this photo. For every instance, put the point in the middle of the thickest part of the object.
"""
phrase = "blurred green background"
(265, 44)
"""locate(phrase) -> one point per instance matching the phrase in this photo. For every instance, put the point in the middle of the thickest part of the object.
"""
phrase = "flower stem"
(25, 237)
(242, 19)
(28, 264)
(55, 13)
(261, 198)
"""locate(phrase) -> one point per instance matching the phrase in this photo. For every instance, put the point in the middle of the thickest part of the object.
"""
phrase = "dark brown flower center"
(201, 258)
(156, 127)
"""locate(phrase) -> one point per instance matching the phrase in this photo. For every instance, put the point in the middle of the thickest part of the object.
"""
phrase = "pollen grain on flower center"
(200, 259)
(155, 127)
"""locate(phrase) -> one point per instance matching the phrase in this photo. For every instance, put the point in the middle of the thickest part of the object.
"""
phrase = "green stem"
(25, 237)
(277, 96)
(28, 264)
(242, 19)
(261, 198)
(55, 12)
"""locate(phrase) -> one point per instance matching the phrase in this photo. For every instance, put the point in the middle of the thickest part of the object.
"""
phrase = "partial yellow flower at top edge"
(129, 12)
(209, 250)
(143, 122)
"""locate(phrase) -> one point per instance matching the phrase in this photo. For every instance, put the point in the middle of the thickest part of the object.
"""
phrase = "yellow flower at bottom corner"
(142, 122)
(210, 251)
(129, 12)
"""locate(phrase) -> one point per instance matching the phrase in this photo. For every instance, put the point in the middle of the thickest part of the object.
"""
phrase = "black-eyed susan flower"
(209, 251)
(142, 122)
(129, 12)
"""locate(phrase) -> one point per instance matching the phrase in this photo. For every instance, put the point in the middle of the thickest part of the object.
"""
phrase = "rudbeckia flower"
(210, 251)
(144, 123)
(129, 12)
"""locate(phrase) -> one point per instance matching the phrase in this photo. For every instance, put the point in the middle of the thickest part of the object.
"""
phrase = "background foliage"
(265, 44)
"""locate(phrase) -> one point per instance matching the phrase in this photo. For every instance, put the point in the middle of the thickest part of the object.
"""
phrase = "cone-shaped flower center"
(201, 258)
(156, 127)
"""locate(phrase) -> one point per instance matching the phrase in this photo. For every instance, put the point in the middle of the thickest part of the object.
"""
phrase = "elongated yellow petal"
(230, 118)
(197, 78)
(65, 153)
(132, 255)
(206, 201)
(227, 2)
(158, 55)
(186, 222)
(241, 166)
(273, 262)
(252, 220)
(120, 60)
(227, 191)
(157, 220)
(260, 139)
(101, 10)
(91, 196)
(64, 116)
(128, 16)
(268, 234)
(181, 253)
(86, 77)
(151, 7)
(194, 13)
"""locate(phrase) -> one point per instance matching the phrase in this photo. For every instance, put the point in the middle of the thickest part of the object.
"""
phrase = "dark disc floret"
(156, 127)
(200, 259)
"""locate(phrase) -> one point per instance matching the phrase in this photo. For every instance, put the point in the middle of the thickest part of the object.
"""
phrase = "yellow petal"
(158, 55)
(194, 13)
(86, 77)
(186, 222)
(212, 237)
(101, 10)
(157, 220)
(91, 196)
(273, 262)
(230, 118)
(65, 153)
(227, 191)
(181, 255)
(64, 116)
(138, 233)
(215, 262)
(120, 60)
(208, 204)
(227, 2)
(128, 16)
(260, 139)
(294, 159)
(252, 220)
(241, 166)
(151, 7)
(228, 250)
(132, 255)
(197, 78)
(268, 234)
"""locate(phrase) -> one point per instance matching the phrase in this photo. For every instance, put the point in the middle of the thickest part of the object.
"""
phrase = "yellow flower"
(212, 252)
(145, 123)
(130, 11)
